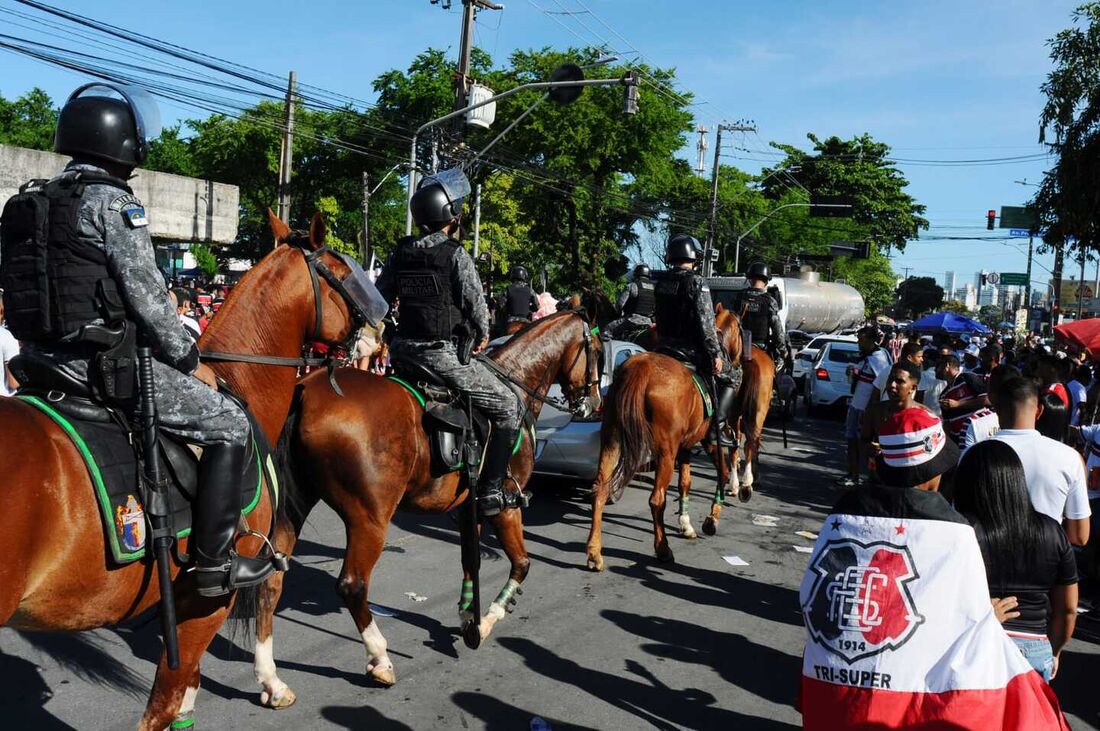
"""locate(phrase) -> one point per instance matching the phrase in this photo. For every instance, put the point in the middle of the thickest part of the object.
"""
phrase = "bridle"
(577, 400)
(318, 270)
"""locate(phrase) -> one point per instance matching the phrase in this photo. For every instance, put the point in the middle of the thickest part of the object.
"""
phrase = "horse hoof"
(383, 676)
(664, 555)
(690, 534)
(710, 526)
(744, 494)
(471, 635)
(596, 564)
(280, 701)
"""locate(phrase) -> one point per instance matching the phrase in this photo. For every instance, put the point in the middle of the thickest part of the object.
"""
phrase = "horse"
(595, 302)
(57, 574)
(752, 405)
(366, 454)
(656, 412)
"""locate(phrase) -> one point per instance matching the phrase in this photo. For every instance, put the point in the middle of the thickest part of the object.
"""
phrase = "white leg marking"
(747, 478)
(685, 526)
(274, 689)
(379, 664)
(494, 615)
(188, 704)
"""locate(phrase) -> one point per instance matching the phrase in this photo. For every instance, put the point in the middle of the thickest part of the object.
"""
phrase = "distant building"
(968, 295)
(949, 282)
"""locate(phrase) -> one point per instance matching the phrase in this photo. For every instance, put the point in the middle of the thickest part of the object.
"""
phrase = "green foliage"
(991, 315)
(918, 295)
(28, 121)
(1066, 201)
(873, 278)
(170, 153)
(205, 260)
(957, 307)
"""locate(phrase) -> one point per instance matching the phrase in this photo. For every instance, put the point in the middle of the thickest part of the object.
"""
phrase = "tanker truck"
(805, 302)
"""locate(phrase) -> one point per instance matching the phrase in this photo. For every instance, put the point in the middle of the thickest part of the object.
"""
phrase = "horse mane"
(505, 349)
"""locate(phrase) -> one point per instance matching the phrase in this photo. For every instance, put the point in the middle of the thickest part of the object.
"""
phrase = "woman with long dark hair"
(1053, 422)
(1026, 554)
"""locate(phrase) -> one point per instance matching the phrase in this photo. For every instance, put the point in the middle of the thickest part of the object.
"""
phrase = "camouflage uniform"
(634, 321)
(489, 395)
(186, 407)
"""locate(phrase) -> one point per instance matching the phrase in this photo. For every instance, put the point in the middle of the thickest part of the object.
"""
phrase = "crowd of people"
(1023, 469)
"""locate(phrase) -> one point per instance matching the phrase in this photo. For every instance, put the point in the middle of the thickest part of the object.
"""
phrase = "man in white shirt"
(1078, 392)
(910, 352)
(9, 348)
(1055, 472)
(875, 361)
(181, 298)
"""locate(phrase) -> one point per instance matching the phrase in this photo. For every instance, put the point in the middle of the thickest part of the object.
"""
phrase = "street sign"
(1022, 233)
(993, 278)
(1011, 279)
(1018, 217)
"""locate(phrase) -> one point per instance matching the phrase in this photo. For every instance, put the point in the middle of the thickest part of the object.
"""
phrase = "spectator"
(1053, 419)
(9, 348)
(875, 360)
(1078, 392)
(901, 389)
(989, 357)
(1055, 472)
(183, 310)
(931, 386)
(1026, 554)
(910, 352)
(985, 425)
(964, 398)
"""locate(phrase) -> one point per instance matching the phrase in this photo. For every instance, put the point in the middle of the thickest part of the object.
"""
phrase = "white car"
(804, 359)
(827, 382)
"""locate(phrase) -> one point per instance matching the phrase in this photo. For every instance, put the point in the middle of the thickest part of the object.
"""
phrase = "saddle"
(108, 444)
(446, 420)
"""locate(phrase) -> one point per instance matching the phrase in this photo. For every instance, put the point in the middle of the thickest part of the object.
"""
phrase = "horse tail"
(293, 503)
(627, 417)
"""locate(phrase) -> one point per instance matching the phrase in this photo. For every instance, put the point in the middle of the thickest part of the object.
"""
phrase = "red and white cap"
(915, 448)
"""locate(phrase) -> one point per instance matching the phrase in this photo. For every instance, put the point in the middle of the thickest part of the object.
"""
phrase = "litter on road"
(804, 549)
(415, 597)
(806, 534)
(765, 521)
(735, 561)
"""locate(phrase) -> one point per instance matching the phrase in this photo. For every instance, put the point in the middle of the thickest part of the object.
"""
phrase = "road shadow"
(82, 654)
(361, 718)
(637, 691)
(22, 705)
(1076, 685)
(496, 715)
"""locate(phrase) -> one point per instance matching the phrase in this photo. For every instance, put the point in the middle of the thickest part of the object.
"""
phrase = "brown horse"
(366, 454)
(753, 402)
(655, 412)
(56, 573)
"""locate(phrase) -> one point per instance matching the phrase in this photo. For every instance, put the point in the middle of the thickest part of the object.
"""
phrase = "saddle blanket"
(114, 470)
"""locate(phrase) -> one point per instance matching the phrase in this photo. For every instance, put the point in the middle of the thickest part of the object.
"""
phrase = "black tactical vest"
(429, 310)
(675, 305)
(54, 282)
(757, 306)
(646, 301)
(518, 301)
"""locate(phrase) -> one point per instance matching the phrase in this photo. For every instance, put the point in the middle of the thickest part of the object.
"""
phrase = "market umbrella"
(949, 322)
(1082, 333)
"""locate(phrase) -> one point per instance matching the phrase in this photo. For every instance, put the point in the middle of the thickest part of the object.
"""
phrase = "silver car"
(566, 446)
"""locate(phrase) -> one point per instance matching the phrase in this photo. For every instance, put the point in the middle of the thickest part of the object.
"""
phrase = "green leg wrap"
(507, 594)
(467, 597)
(720, 493)
(186, 720)
(684, 500)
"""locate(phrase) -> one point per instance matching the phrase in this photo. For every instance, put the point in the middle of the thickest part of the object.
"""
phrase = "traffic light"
(990, 219)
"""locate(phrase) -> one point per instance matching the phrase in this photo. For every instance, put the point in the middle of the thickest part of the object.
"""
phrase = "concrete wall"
(179, 209)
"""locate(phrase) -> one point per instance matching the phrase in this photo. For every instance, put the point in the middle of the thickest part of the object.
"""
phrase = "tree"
(959, 308)
(28, 121)
(991, 315)
(205, 260)
(1066, 202)
(918, 295)
(857, 170)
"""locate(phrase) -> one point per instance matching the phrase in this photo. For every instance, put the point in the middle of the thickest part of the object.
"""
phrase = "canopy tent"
(1082, 333)
(949, 322)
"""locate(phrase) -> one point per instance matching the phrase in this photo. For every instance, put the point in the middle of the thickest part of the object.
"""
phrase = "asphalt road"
(695, 644)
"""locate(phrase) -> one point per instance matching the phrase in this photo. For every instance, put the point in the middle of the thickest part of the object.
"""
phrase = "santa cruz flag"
(900, 631)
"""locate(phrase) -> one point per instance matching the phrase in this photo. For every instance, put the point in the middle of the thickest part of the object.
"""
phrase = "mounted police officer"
(685, 320)
(760, 321)
(442, 308)
(518, 302)
(637, 304)
(100, 269)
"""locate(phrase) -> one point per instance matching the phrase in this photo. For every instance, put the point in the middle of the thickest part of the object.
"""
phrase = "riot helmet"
(108, 122)
(642, 271)
(519, 273)
(758, 270)
(682, 247)
(438, 198)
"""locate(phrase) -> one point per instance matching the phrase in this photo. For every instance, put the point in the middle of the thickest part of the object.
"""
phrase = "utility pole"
(712, 229)
(701, 146)
(286, 154)
(1027, 287)
(465, 48)
(1081, 287)
(365, 248)
(477, 220)
(1056, 295)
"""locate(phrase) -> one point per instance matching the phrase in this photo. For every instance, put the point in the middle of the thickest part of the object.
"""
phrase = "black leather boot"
(217, 511)
(723, 411)
(491, 496)
(746, 345)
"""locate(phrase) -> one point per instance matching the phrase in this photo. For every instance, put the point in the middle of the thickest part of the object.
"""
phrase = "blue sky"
(936, 80)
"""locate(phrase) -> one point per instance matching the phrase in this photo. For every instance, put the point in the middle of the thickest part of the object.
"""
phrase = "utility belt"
(112, 353)
(463, 342)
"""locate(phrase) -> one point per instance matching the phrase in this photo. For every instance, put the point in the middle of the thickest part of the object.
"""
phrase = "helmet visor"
(141, 103)
(454, 183)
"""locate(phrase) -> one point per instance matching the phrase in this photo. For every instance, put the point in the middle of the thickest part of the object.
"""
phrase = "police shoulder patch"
(132, 210)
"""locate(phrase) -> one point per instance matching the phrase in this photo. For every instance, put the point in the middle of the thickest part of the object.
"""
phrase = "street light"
(737, 249)
(627, 80)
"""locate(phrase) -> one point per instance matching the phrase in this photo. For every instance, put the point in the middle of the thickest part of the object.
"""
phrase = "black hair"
(950, 360)
(991, 491)
(930, 355)
(911, 369)
(1016, 391)
(1083, 374)
(182, 295)
(1000, 374)
(1053, 422)
(910, 349)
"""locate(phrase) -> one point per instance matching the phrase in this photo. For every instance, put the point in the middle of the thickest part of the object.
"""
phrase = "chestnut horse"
(655, 412)
(366, 454)
(56, 573)
(753, 402)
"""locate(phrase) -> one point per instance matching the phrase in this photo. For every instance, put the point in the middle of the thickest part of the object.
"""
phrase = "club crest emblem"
(130, 520)
(860, 604)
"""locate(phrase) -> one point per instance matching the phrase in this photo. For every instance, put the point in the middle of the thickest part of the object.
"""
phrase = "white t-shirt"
(1055, 473)
(9, 348)
(984, 425)
(1077, 395)
(870, 368)
(1090, 435)
(933, 388)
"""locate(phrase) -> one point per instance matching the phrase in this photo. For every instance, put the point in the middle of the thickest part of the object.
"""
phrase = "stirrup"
(238, 572)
